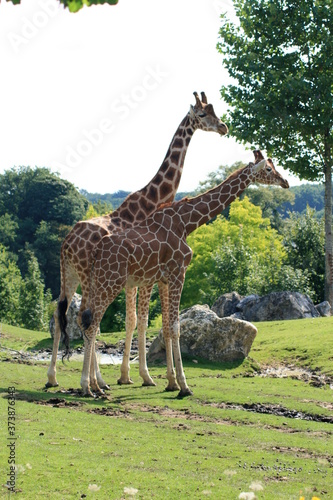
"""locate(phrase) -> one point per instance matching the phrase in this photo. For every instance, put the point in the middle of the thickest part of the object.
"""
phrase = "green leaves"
(280, 58)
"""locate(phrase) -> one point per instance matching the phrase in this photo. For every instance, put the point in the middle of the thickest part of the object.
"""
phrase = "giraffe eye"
(269, 169)
(202, 115)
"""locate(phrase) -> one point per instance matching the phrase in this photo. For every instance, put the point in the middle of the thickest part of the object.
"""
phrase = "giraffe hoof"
(88, 394)
(183, 393)
(172, 387)
(124, 382)
(49, 384)
(106, 387)
(148, 383)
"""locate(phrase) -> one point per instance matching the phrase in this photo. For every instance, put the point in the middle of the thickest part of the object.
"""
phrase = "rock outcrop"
(204, 335)
(272, 307)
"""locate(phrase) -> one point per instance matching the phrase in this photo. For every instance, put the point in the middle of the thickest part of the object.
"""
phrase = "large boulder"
(204, 335)
(274, 306)
(324, 308)
(226, 305)
(73, 329)
(277, 306)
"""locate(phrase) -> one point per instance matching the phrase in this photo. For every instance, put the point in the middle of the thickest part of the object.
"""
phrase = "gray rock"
(324, 308)
(203, 334)
(226, 305)
(277, 306)
(73, 329)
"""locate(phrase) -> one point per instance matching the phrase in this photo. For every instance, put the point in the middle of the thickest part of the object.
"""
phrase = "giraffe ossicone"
(156, 251)
(75, 257)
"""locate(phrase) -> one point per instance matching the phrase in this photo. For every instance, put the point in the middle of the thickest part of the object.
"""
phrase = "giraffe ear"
(259, 166)
(192, 113)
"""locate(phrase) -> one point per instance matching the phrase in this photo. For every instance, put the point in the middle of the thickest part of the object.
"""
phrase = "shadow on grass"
(47, 343)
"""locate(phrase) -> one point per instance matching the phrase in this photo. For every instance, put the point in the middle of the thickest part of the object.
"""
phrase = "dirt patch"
(290, 371)
(59, 403)
(276, 410)
(111, 412)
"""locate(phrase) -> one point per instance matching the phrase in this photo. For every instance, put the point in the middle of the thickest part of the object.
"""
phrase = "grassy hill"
(262, 427)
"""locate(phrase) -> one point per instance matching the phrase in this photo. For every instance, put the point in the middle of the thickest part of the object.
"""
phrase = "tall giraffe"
(75, 257)
(156, 250)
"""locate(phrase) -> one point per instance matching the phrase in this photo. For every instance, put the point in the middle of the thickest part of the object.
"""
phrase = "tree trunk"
(328, 226)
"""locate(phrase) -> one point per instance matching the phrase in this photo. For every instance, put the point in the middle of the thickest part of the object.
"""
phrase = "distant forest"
(116, 199)
(309, 194)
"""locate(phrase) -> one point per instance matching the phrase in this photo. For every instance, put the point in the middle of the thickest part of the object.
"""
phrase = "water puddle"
(45, 357)
(103, 358)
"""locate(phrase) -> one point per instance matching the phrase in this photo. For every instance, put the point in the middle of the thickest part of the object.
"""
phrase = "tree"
(75, 5)
(37, 210)
(10, 283)
(8, 228)
(304, 241)
(280, 57)
(34, 303)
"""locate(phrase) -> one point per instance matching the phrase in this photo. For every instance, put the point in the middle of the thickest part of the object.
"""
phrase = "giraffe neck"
(163, 186)
(202, 208)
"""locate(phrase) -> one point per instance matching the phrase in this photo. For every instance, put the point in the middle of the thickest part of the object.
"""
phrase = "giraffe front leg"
(94, 370)
(100, 380)
(175, 289)
(130, 327)
(143, 311)
(85, 377)
(171, 374)
(51, 372)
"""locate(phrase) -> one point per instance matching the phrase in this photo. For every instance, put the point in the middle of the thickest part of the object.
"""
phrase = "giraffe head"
(204, 117)
(265, 172)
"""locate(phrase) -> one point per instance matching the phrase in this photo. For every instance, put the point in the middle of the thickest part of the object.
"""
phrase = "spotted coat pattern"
(156, 251)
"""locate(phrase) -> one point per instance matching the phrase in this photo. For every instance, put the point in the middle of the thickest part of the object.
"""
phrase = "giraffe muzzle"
(223, 129)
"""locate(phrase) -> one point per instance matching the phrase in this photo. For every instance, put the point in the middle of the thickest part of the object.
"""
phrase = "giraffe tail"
(62, 318)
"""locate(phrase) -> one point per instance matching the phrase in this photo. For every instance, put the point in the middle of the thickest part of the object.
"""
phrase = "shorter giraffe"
(156, 251)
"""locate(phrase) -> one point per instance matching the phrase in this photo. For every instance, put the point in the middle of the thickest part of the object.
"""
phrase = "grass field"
(260, 429)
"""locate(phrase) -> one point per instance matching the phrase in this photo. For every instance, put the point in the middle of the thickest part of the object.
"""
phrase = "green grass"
(145, 439)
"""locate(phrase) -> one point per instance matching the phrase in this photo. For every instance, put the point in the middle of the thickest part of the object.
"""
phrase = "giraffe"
(156, 251)
(75, 257)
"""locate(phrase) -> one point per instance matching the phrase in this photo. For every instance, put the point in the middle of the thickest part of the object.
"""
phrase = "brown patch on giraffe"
(178, 143)
(133, 206)
(140, 216)
(153, 193)
(147, 206)
(86, 234)
(158, 179)
(170, 173)
(175, 156)
(126, 214)
(116, 221)
(95, 237)
(82, 254)
(165, 190)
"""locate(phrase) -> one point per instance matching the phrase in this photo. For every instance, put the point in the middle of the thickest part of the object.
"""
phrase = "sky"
(97, 95)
